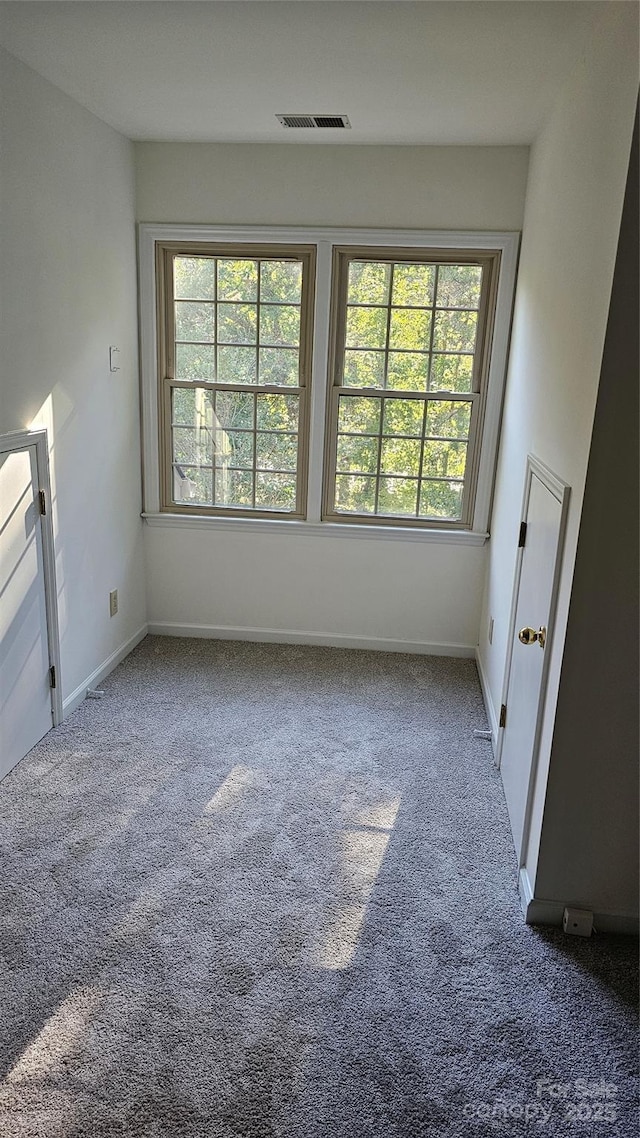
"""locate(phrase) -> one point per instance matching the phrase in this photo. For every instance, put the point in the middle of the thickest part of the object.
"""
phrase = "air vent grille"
(315, 122)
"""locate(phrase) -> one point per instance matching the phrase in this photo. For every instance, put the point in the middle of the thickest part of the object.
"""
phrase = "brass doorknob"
(530, 636)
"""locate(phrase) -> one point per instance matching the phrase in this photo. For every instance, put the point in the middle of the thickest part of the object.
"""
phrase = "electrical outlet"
(113, 602)
(491, 631)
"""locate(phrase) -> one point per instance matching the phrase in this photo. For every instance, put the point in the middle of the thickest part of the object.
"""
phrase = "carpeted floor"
(266, 891)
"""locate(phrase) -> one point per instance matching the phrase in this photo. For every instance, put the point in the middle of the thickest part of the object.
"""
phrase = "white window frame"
(325, 240)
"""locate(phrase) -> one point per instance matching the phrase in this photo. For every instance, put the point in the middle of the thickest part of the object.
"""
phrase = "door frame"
(561, 491)
(24, 440)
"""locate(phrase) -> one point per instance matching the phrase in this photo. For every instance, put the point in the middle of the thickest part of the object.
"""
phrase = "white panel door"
(25, 692)
(526, 672)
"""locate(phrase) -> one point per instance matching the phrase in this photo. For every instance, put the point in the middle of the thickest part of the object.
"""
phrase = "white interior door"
(526, 669)
(25, 685)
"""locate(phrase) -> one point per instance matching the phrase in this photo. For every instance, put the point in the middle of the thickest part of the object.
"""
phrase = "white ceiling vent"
(315, 122)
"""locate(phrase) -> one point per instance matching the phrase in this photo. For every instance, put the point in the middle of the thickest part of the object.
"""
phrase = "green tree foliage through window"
(403, 422)
(237, 324)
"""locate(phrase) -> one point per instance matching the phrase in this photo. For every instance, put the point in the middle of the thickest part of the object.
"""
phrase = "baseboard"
(526, 893)
(488, 701)
(539, 911)
(321, 639)
(75, 699)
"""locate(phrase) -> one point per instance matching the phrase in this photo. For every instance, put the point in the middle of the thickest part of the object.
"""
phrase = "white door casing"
(29, 705)
(533, 604)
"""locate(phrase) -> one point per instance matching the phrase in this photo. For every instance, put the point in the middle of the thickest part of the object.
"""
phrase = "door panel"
(526, 672)
(25, 693)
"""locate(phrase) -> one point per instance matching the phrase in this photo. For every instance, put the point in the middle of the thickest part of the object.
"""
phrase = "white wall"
(68, 292)
(574, 201)
(336, 589)
(419, 187)
(589, 839)
(340, 590)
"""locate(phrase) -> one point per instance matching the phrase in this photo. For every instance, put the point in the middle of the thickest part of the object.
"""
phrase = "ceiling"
(432, 72)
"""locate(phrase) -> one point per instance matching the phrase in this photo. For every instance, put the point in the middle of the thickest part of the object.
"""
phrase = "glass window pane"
(191, 485)
(407, 371)
(276, 491)
(366, 327)
(281, 281)
(236, 449)
(459, 286)
(233, 409)
(355, 495)
(195, 321)
(192, 408)
(357, 453)
(279, 324)
(441, 500)
(451, 373)
(400, 456)
(182, 406)
(185, 444)
(398, 496)
(276, 451)
(237, 323)
(444, 460)
(403, 417)
(236, 365)
(450, 420)
(277, 412)
(413, 285)
(410, 329)
(455, 331)
(234, 488)
(279, 366)
(237, 279)
(194, 278)
(363, 369)
(194, 444)
(359, 415)
(195, 361)
(368, 282)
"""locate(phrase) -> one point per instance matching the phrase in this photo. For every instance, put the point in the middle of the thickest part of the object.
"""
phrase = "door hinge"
(503, 716)
(52, 676)
(42, 499)
(523, 535)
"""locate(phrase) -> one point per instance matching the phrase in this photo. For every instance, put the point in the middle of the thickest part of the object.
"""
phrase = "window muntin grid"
(236, 370)
(409, 340)
(402, 464)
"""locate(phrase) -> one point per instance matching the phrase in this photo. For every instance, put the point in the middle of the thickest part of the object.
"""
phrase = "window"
(343, 381)
(234, 366)
(408, 368)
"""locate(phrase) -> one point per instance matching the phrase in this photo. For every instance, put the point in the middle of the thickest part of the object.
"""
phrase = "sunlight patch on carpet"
(362, 848)
(382, 815)
(62, 1036)
(238, 780)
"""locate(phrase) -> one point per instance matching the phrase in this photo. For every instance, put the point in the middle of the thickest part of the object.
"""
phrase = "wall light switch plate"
(113, 602)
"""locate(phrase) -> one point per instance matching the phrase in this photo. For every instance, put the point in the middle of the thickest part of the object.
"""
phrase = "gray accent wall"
(589, 840)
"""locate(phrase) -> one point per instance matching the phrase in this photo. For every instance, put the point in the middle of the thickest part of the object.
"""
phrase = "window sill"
(315, 529)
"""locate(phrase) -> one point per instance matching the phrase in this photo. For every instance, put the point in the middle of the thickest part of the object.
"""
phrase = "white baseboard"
(526, 892)
(539, 911)
(75, 699)
(488, 701)
(322, 639)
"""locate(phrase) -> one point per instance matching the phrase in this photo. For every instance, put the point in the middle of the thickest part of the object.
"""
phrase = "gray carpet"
(269, 891)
